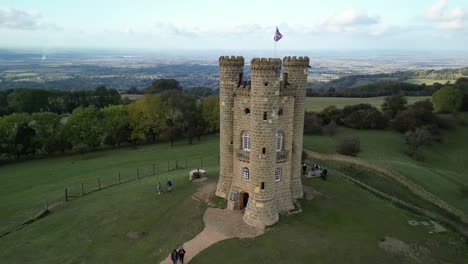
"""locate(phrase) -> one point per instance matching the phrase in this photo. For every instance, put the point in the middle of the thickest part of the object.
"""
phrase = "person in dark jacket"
(169, 185)
(181, 254)
(304, 168)
(174, 256)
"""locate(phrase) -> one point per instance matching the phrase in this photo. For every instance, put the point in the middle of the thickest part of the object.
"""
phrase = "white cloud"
(351, 20)
(169, 29)
(457, 18)
(12, 18)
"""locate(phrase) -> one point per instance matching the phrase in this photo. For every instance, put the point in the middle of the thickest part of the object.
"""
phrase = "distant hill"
(415, 77)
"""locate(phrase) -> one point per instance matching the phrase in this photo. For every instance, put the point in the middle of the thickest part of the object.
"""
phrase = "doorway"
(244, 199)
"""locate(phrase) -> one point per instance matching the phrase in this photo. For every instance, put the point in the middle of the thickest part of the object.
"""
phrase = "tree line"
(164, 113)
(387, 88)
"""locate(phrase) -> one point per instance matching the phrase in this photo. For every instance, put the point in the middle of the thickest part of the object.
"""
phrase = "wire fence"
(25, 216)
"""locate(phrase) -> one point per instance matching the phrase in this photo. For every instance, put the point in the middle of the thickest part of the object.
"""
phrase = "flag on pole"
(278, 35)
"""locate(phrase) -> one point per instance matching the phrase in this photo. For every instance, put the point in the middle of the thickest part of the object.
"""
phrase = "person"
(174, 256)
(323, 175)
(304, 168)
(181, 254)
(169, 185)
(159, 187)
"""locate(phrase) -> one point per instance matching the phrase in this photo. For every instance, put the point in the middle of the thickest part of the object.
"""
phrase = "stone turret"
(231, 69)
(261, 136)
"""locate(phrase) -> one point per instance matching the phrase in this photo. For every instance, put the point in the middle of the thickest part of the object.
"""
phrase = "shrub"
(393, 105)
(464, 191)
(347, 110)
(312, 123)
(330, 129)
(349, 146)
(366, 119)
(415, 139)
(417, 115)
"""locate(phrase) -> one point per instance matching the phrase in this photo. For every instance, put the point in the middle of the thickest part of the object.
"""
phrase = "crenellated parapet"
(265, 64)
(235, 61)
(296, 61)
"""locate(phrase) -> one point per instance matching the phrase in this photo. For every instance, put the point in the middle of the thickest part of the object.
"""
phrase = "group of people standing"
(169, 186)
(178, 255)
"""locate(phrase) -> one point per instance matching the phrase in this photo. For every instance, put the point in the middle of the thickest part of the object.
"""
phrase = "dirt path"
(416, 189)
(220, 224)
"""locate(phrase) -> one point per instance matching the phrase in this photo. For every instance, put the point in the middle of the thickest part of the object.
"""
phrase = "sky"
(238, 25)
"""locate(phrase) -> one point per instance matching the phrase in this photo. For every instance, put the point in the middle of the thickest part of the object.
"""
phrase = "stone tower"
(261, 123)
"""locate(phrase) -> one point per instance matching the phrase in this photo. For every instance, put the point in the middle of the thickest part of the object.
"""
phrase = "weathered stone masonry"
(261, 138)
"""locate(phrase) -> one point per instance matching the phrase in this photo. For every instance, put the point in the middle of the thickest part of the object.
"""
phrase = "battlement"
(296, 61)
(265, 64)
(231, 61)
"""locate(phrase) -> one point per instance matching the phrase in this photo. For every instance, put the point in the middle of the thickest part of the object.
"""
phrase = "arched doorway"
(243, 200)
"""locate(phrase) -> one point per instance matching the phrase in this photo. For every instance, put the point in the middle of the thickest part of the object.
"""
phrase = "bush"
(366, 119)
(331, 114)
(415, 139)
(312, 123)
(330, 129)
(417, 115)
(464, 191)
(349, 146)
(347, 110)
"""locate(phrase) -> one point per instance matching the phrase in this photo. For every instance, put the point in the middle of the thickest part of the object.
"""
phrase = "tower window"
(279, 141)
(262, 186)
(280, 112)
(266, 83)
(247, 111)
(265, 116)
(263, 150)
(277, 175)
(246, 141)
(245, 174)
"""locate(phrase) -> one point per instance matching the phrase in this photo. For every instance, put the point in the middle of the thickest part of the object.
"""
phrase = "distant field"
(319, 103)
(132, 96)
(428, 81)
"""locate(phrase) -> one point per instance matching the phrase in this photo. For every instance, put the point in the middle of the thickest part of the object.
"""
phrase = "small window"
(245, 174)
(263, 186)
(280, 112)
(279, 141)
(247, 111)
(266, 83)
(265, 116)
(263, 150)
(246, 141)
(277, 175)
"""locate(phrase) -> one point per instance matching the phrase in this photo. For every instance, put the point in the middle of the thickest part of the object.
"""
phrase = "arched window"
(246, 141)
(279, 141)
(277, 175)
(245, 174)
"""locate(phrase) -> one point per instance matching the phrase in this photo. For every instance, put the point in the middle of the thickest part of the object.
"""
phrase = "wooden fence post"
(82, 189)
(66, 195)
(99, 183)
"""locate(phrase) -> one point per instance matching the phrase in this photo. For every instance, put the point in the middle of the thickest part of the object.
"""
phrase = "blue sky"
(240, 24)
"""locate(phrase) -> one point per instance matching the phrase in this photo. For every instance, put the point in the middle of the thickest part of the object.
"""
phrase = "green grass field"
(443, 172)
(343, 226)
(319, 103)
(428, 81)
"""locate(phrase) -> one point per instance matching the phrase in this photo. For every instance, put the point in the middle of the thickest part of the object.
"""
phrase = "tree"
(416, 115)
(200, 91)
(210, 112)
(331, 113)
(84, 127)
(161, 85)
(28, 101)
(393, 105)
(447, 100)
(3, 103)
(415, 139)
(312, 123)
(48, 129)
(116, 124)
(462, 84)
(147, 117)
(16, 136)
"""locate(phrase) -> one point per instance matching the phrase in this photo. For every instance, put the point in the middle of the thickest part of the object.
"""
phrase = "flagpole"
(275, 49)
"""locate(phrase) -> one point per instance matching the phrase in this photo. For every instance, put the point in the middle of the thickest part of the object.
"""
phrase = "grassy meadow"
(318, 103)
